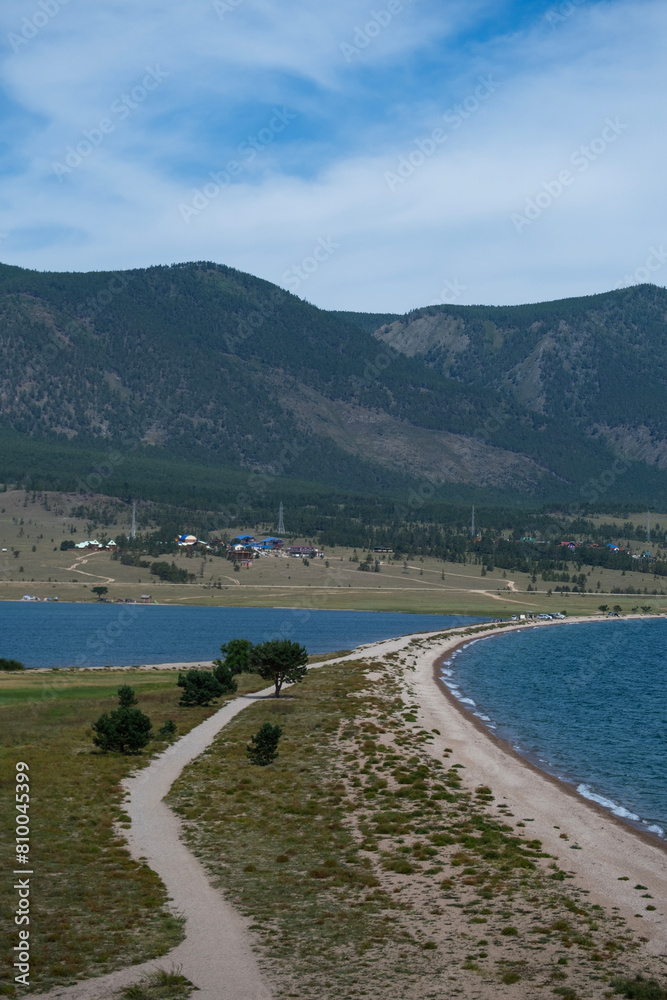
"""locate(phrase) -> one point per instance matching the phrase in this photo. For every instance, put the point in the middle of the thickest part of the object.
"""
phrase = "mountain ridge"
(208, 364)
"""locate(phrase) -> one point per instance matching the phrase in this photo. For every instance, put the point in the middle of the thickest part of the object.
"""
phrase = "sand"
(610, 849)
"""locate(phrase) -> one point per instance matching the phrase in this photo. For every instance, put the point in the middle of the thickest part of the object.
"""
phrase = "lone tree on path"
(100, 591)
(126, 729)
(263, 746)
(280, 660)
(200, 687)
(236, 655)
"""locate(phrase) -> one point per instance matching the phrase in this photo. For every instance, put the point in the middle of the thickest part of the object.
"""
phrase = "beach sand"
(612, 857)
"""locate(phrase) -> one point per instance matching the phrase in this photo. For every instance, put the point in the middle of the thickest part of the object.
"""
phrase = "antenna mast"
(133, 529)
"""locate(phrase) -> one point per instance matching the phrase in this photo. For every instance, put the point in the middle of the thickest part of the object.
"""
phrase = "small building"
(384, 550)
(272, 543)
(146, 598)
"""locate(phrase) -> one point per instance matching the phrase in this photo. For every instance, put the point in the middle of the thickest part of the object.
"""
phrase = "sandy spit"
(611, 850)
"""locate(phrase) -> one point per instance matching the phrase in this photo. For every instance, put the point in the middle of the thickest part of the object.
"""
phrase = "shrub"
(224, 676)
(200, 687)
(640, 989)
(263, 746)
(11, 664)
(168, 730)
(126, 697)
(236, 655)
(125, 730)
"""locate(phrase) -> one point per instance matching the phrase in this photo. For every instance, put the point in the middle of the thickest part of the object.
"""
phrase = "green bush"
(125, 730)
(11, 664)
(236, 655)
(640, 989)
(225, 676)
(168, 730)
(200, 687)
(263, 746)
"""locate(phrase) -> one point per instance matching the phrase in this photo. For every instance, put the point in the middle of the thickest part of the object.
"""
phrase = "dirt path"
(217, 953)
(74, 568)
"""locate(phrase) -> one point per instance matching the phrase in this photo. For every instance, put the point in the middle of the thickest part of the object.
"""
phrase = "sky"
(375, 157)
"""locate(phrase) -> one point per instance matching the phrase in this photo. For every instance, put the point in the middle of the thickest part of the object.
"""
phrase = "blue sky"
(471, 152)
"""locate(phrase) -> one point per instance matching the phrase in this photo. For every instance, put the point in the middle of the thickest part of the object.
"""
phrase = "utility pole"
(648, 527)
(472, 526)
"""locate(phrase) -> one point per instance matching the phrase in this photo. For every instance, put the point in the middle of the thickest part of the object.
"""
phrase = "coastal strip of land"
(610, 857)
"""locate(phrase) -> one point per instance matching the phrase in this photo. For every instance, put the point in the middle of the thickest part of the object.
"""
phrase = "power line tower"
(648, 527)
(133, 529)
(472, 526)
(281, 520)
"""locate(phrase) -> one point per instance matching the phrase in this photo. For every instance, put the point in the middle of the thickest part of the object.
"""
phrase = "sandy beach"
(610, 857)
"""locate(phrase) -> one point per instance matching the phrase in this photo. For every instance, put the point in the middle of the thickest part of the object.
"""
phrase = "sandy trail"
(217, 953)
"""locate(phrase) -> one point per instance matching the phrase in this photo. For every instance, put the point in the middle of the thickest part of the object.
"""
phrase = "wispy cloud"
(351, 123)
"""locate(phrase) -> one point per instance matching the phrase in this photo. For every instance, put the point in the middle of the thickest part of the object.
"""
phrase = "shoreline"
(506, 747)
(612, 856)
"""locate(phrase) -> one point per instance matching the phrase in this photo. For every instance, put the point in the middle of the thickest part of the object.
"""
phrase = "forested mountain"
(202, 364)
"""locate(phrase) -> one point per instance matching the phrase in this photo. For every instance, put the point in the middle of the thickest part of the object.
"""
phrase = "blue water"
(93, 635)
(586, 702)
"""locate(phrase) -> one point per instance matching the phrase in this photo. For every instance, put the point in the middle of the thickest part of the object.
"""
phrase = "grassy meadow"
(93, 908)
(34, 564)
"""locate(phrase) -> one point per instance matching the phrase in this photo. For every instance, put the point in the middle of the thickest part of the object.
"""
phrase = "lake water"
(93, 635)
(586, 702)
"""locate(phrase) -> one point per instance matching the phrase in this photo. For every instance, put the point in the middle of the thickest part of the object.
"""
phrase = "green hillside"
(182, 382)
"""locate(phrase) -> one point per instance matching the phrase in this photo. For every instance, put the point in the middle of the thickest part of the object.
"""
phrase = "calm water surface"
(93, 635)
(587, 702)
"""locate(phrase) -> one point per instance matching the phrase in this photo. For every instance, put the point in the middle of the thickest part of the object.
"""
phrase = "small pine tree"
(200, 687)
(224, 676)
(168, 730)
(127, 697)
(263, 746)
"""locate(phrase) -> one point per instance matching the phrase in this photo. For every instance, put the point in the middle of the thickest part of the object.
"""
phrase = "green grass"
(159, 985)
(640, 989)
(95, 909)
(337, 852)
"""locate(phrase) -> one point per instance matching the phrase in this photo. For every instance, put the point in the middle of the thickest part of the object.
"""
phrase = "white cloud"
(450, 221)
